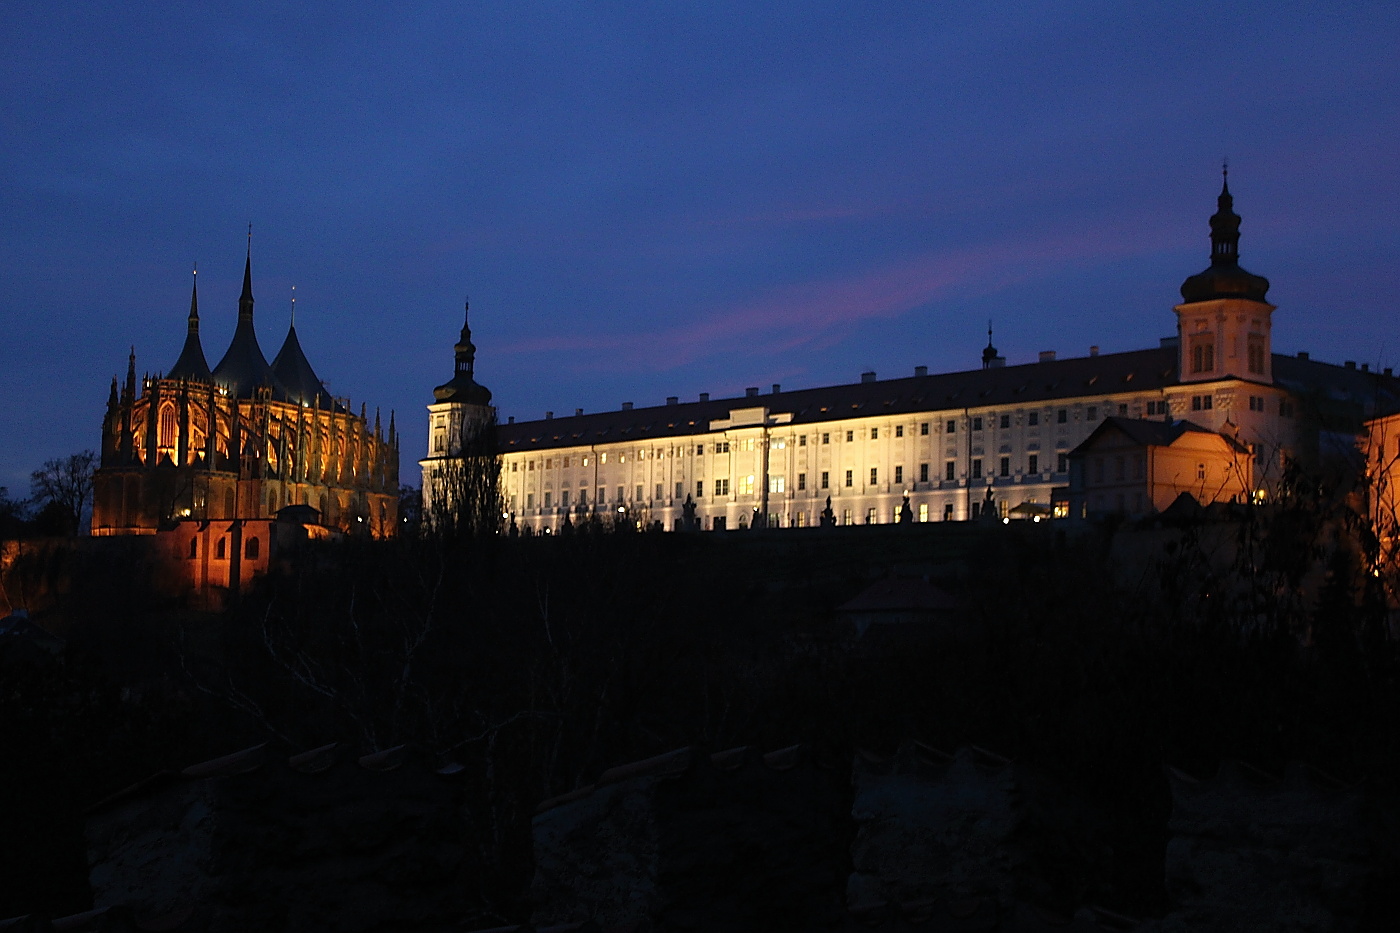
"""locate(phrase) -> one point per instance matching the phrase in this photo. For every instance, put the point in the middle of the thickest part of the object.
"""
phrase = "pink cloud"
(818, 313)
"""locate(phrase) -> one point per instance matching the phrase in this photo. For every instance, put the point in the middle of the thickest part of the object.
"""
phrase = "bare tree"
(462, 492)
(65, 483)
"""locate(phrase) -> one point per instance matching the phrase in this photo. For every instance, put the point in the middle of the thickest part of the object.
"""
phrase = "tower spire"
(465, 350)
(989, 355)
(245, 300)
(194, 301)
(1225, 225)
(294, 306)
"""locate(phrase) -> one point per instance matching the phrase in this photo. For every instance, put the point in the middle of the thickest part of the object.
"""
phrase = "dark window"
(850, 436)
(948, 471)
(221, 551)
(874, 473)
(825, 479)
(1033, 464)
(1062, 415)
(849, 478)
(250, 549)
(1093, 413)
(923, 428)
(977, 423)
(680, 490)
(194, 548)
(952, 427)
(1061, 463)
(802, 441)
(1005, 466)
(923, 472)
(899, 430)
(947, 511)
(699, 489)
(1005, 421)
(801, 480)
(898, 475)
(977, 468)
(874, 434)
(826, 438)
(1033, 418)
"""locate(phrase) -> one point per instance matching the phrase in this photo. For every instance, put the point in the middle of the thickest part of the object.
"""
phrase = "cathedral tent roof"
(292, 369)
(244, 368)
(192, 364)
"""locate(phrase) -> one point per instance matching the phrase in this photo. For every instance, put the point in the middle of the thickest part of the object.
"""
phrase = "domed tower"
(1223, 323)
(460, 420)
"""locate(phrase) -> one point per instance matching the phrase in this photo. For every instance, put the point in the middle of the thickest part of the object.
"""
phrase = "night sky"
(644, 200)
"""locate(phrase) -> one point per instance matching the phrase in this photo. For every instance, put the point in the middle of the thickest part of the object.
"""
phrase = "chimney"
(704, 396)
(751, 391)
(671, 400)
(510, 420)
(1387, 372)
(1302, 354)
(920, 370)
(777, 388)
(1094, 350)
(868, 377)
(1350, 364)
(577, 412)
(1365, 367)
(549, 416)
(1047, 356)
(626, 406)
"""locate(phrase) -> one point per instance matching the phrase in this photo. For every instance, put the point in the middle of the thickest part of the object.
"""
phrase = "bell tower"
(1223, 323)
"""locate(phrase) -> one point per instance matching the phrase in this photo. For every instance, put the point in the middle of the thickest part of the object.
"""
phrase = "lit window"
(777, 484)
(746, 485)
(923, 511)
(870, 516)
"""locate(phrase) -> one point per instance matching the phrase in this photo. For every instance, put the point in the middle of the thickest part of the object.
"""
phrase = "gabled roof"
(1147, 433)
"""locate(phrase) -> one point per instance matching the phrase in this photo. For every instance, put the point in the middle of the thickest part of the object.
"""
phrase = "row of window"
(251, 549)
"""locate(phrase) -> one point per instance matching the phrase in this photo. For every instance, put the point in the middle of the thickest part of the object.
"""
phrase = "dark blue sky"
(646, 200)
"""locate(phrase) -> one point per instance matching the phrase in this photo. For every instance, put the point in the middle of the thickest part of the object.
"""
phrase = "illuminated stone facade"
(240, 441)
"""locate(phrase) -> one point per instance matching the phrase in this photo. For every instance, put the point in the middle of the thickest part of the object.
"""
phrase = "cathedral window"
(167, 425)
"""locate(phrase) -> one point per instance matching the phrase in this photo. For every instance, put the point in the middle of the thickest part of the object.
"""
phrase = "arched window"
(250, 549)
(167, 425)
(221, 551)
(228, 504)
(194, 548)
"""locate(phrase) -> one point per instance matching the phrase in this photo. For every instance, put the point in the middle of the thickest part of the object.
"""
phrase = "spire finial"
(194, 300)
(245, 301)
(294, 306)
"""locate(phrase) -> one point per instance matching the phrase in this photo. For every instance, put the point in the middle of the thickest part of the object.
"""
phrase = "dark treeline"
(539, 662)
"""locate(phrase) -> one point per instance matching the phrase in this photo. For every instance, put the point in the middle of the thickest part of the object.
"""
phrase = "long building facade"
(950, 445)
(242, 440)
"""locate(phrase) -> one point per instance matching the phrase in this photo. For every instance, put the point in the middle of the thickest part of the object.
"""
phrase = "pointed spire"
(989, 355)
(129, 391)
(391, 426)
(294, 307)
(191, 363)
(112, 396)
(245, 300)
(194, 300)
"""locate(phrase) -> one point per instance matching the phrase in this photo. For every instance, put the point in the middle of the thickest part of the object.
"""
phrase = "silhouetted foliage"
(63, 486)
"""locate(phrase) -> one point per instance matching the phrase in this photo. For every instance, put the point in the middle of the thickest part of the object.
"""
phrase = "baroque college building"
(240, 442)
(951, 444)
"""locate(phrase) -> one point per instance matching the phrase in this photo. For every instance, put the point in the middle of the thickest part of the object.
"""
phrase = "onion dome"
(192, 364)
(1225, 278)
(462, 387)
(244, 368)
